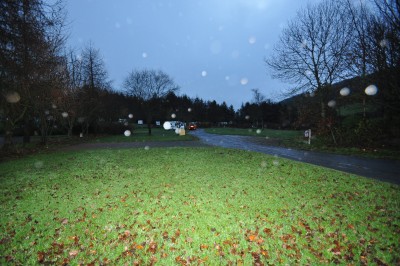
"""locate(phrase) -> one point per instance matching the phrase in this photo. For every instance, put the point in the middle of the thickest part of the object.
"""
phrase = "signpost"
(307, 134)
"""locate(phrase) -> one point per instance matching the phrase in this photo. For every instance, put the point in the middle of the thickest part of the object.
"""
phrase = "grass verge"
(141, 135)
(177, 206)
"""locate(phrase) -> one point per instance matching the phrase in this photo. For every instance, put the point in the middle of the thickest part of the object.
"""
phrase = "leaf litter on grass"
(192, 206)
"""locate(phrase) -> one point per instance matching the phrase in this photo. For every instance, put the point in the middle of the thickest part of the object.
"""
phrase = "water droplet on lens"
(167, 125)
(332, 103)
(244, 81)
(13, 97)
(345, 91)
(252, 40)
(38, 164)
(371, 90)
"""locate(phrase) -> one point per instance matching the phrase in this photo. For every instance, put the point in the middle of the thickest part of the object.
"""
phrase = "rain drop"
(264, 164)
(144, 55)
(216, 47)
(227, 78)
(13, 97)
(173, 116)
(64, 114)
(38, 164)
(130, 116)
(275, 163)
(345, 91)
(146, 148)
(189, 109)
(127, 133)
(258, 131)
(203, 73)
(244, 81)
(383, 43)
(252, 40)
(167, 125)
(177, 130)
(371, 90)
(235, 54)
(332, 103)
(247, 117)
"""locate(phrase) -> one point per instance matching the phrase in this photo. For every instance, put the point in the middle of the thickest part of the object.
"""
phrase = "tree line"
(47, 88)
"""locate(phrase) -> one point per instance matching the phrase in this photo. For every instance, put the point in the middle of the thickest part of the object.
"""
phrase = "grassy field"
(180, 206)
(140, 134)
(266, 133)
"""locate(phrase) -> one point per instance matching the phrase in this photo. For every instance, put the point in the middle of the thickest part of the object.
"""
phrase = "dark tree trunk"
(27, 131)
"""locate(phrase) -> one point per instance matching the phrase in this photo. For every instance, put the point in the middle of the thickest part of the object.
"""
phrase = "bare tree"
(149, 85)
(95, 79)
(69, 100)
(30, 41)
(390, 11)
(258, 99)
(312, 49)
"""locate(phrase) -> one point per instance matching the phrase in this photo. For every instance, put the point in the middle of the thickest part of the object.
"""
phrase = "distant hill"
(353, 101)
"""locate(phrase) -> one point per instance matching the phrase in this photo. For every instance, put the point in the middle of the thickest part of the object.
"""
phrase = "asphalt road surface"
(381, 169)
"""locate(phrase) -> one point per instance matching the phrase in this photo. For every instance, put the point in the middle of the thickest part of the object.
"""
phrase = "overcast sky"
(213, 49)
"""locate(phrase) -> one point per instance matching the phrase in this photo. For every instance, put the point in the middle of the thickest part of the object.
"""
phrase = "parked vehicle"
(192, 126)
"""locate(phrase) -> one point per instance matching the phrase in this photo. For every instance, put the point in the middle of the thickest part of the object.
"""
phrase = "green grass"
(357, 108)
(141, 134)
(266, 133)
(198, 205)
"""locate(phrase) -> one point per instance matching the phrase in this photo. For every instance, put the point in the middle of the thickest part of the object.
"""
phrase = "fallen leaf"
(152, 247)
(73, 253)
(40, 256)
(203, 246)
(252, 238)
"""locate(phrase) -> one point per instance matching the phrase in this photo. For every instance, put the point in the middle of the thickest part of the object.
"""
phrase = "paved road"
(384, 170)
